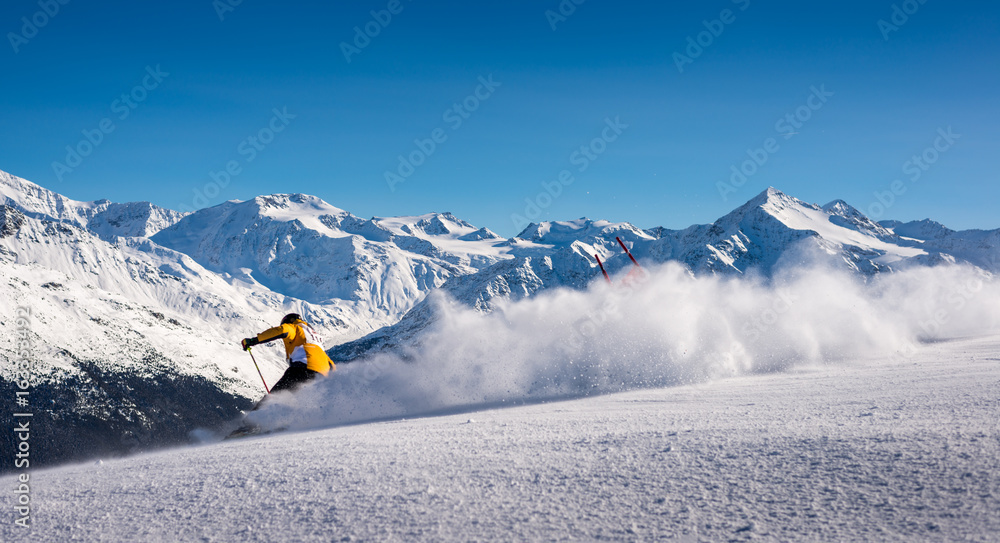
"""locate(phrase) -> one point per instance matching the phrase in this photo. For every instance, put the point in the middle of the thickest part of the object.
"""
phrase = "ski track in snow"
(877, 449)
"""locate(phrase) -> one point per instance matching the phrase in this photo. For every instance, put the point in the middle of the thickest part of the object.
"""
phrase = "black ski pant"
(295, 376)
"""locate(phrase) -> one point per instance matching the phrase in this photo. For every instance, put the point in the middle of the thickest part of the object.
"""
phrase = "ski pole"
(602, 268)
(258, 371)
(629, 253)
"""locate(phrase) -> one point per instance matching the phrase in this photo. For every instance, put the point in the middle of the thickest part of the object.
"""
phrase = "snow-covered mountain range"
(136, 310)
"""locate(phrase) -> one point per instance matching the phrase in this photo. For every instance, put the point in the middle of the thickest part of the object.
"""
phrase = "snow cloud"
(666, 328)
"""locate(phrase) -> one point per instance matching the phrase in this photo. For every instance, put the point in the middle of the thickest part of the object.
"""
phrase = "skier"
(303, 349)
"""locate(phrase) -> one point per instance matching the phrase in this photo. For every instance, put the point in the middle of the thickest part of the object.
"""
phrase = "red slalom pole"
(627, 252)
(258, 371)
(602, 268)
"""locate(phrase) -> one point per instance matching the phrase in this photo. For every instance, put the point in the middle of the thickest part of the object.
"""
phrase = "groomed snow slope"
(878, 449)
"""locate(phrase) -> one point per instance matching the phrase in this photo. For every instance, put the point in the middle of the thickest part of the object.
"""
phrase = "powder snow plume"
(664, 329)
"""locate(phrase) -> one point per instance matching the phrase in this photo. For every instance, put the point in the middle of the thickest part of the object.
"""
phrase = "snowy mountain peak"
(771, 192)
(103, 217)
(774, 201)
(827, 221)
(564, 233)
(437, 225)
(430, 224)
(133, 219)
(769, 206)
(922, 230)
(34, 200)
(838, 207)
(846, 216)
(286, 207)
(481, 234)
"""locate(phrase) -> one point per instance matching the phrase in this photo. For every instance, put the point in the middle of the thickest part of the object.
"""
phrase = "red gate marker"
(602, 268)
(627, 252)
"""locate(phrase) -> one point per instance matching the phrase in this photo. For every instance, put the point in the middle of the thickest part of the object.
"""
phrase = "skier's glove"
(249, 342)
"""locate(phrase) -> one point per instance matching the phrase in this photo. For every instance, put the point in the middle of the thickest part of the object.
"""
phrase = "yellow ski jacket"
(302, 345)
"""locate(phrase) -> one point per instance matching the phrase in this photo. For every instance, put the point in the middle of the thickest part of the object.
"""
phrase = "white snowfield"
(903, 448)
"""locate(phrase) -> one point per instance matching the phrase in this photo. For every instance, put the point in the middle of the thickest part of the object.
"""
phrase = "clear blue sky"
(606, 60)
